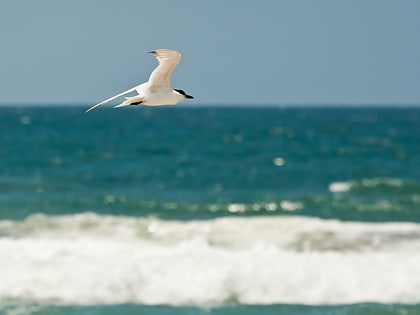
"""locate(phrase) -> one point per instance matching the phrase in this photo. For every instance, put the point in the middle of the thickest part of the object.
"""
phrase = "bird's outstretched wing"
(112, 98)
(161, 76)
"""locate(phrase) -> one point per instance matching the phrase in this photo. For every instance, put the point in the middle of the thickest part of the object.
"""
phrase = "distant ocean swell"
(369, 185)
(88, 259)
(368, 199)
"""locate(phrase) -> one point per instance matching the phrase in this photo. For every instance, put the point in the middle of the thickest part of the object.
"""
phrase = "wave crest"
(93, 259)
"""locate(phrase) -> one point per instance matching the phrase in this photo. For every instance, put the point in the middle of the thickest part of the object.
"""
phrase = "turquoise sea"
(209, 210)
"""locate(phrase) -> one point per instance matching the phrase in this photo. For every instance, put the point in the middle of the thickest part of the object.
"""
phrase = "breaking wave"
(97, 259)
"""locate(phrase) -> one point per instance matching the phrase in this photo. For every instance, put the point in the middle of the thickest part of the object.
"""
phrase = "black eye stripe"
(183, 93)
(180, 92)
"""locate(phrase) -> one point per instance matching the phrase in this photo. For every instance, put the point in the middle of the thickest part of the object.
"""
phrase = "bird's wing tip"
(93, 107)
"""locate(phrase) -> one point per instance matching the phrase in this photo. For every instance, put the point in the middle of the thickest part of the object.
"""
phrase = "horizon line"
(232, 104)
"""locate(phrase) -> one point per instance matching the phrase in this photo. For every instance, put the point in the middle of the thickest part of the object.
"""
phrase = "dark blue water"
(60, 160)
(365, 309)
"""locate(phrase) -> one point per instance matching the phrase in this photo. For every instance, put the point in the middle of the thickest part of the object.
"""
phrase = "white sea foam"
(92, 259)
(340, 186)
(366, 183)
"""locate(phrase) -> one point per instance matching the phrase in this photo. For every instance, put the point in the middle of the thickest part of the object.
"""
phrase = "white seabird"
(158, 90)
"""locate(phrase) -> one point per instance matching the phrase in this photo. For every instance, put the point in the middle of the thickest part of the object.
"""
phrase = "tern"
(158, 90)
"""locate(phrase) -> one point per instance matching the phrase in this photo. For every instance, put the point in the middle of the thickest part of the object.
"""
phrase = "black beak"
(183, 93)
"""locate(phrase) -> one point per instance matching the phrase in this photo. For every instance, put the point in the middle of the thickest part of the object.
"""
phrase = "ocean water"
(211, 210)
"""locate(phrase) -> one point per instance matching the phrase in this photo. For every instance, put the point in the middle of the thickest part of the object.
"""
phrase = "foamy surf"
(90, 259)
(367, 184)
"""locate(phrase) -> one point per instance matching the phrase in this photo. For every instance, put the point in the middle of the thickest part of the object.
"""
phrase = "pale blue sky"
(235, 52)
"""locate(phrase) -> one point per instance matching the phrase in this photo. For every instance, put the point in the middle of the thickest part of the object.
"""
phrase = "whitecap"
(97, 259)
(336, 187)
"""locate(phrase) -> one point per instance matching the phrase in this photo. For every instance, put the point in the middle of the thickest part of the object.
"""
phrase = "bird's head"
(184, 94)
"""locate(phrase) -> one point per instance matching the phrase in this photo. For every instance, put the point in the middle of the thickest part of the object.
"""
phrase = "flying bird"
(158, 90)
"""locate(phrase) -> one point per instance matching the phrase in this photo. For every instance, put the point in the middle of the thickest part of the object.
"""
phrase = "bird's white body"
(158, 90)
(150, 97)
